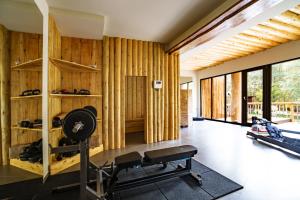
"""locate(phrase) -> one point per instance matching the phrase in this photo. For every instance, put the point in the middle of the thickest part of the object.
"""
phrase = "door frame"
(267, 86)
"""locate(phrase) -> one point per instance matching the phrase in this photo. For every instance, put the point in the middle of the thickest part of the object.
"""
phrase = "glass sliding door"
(218, 98)
(234, 97)
(285, 92)
(254, 97)
(206, 98)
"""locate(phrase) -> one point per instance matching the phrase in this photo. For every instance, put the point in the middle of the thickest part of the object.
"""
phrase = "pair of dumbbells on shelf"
(33, 152)
(38, 123)
(75, 91)
(31, 92)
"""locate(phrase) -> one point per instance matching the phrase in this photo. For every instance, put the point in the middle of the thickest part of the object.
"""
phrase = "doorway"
(135, 110)
(253, 95)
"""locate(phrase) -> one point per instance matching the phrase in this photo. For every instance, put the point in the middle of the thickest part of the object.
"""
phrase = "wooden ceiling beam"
(258, 40)
(296, 9)
(230, 50)
(248, 42)
(242, 45)
(275, 32)
(242, 11)
(273, 23)
(239, 48)
(290, 18)
(263, 35)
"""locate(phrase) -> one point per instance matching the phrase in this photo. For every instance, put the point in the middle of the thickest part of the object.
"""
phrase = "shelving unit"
(26, 50)
(26, 129)
(26, 97)
(75, 95)
(32, 65)
(73, 66)
(74, 63)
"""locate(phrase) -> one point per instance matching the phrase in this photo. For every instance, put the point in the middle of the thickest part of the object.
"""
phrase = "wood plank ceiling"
(275, 31)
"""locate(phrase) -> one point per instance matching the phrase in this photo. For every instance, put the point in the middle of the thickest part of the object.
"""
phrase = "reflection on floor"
(265, 172)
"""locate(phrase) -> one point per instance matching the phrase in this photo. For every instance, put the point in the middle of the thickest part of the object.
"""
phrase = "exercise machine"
(263, 129)
(80, 124)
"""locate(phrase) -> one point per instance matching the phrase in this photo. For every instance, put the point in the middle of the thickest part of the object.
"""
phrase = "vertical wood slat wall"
(4, 95)
(82, 51)
(135, 103)
(140, 59)
(120, 58)
(25, 47)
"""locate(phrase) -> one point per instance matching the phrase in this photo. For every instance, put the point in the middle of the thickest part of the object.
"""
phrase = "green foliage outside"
(285, 83)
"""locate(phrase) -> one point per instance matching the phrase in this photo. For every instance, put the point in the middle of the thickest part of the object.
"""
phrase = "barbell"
(80, 124)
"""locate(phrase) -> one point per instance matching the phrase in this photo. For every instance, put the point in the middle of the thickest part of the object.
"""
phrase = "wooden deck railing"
(289, 111)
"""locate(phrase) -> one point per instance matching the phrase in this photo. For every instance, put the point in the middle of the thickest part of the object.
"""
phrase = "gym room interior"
(140, 99)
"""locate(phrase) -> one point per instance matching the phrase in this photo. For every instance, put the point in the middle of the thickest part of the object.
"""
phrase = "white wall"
(279, 53)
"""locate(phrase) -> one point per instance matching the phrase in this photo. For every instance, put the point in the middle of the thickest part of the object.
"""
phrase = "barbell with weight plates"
(80, 124)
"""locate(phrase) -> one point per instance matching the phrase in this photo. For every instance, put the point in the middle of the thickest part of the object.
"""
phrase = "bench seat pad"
(128, 160)
(170, 154)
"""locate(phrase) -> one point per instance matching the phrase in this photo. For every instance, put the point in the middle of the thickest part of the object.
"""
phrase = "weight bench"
(80, 124)
(160, 156)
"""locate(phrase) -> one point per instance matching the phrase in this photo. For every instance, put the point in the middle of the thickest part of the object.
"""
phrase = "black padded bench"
(170, 154)
(160, 156)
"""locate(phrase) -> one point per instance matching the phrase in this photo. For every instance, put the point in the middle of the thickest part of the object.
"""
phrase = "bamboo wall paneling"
(171, 97)
(111, 93)
(155, 100)
(158, 72)
(162, 99)
(135, 58)
(5, 118)
(177, 96)
(150, 138)
(117, 96)
(145, 58)
(129, 58)
(140, 58)
(105, 93)
(123, 89)
(166, 97)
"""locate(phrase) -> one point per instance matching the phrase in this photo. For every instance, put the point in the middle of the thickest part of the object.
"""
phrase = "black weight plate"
(79, 115)
(92, 109)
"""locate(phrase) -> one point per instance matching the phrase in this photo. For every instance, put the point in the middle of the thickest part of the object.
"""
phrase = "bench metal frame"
(105, 190)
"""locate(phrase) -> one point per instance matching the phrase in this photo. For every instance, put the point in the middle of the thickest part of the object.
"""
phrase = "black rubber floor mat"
(214, 186)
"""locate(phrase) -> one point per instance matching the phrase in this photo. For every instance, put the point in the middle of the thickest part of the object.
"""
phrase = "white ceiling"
(21, 15)
(152, 20)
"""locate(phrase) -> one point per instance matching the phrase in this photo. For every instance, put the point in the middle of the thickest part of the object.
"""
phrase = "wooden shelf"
(58, 166)
(26, 97)
(55, 129)
(27, 129)
(75, 95)
(32, 65)
(35, 168)
(68, 65)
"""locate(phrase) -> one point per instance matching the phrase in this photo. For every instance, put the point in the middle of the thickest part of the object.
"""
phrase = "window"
(285, 92)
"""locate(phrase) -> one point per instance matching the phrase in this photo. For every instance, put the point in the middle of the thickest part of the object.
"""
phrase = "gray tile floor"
(266, 173)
